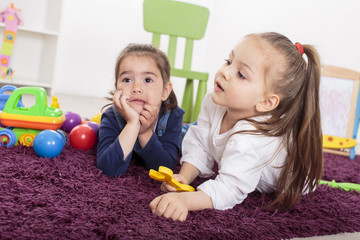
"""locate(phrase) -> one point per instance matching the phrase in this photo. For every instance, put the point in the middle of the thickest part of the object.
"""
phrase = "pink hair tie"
(299, 48)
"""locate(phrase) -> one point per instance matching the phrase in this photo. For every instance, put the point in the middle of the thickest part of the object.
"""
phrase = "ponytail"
(304, 166)
(297, 117)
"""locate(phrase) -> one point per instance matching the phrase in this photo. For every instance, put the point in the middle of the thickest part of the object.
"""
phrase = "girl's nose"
(136, 88)
(225, 72)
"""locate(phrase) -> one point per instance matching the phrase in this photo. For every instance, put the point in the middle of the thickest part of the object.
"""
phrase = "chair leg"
(187, 102)
(352, 153)
(202, 89)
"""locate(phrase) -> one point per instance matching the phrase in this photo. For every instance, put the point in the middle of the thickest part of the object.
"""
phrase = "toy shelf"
(32, 30)
(34, 55)
(24, 82)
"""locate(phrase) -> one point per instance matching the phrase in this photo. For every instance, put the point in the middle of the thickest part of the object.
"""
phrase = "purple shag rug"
(69, 198)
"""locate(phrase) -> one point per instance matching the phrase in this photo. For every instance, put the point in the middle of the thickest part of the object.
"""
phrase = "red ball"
(82, 137)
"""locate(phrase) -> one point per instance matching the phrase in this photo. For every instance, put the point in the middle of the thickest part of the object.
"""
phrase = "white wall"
(93, 32)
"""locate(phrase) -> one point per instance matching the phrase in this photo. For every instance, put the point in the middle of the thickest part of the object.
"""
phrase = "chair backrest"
(176, 19)
(339, 101)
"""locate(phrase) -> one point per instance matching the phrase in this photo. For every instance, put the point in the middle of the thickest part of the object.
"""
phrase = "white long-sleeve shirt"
(245, 162)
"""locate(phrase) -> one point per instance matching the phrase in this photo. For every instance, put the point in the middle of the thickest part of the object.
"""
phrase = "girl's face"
(141, 80)
(240, 83)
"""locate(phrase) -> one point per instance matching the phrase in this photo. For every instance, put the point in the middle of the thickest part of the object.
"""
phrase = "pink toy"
(82, 137)
(12, 19)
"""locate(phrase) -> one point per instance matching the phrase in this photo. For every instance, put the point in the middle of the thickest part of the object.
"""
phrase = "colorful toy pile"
(43, 127)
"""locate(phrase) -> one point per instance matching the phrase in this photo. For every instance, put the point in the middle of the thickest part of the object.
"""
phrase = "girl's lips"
(137, 101)
(218, 87)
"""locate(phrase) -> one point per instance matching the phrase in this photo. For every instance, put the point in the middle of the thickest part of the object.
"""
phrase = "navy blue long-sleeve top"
(161, 150)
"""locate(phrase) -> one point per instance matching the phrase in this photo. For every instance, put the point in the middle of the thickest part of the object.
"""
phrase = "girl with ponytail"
(260, 125)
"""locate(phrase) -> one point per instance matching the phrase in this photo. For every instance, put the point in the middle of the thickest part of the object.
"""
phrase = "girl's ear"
(268, 104)
(166, 91)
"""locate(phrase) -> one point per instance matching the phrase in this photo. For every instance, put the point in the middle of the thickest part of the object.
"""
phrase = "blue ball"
(48, 143)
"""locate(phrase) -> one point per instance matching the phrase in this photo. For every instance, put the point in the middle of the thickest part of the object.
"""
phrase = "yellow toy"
(338, 142)
(166, 175)
(55, 103)
(96, 118)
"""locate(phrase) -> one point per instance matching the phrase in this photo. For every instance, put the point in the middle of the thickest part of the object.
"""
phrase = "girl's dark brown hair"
(162, 62)
(296, 118)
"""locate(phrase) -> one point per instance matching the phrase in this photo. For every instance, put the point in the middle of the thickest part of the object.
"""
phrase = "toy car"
(4, 97)
(23, 123)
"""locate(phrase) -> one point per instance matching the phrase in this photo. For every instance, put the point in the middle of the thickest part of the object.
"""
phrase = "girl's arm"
(163, 150)
(110, 155)
(116, 143)
(129, 134)
(147, 120)
(177, 205)
(189, 172)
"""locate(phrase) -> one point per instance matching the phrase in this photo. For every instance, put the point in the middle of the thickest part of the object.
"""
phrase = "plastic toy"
(4, 97)
(13, 136)
(55, 103)
(72, 120)
(48, 143)
(166, 175)
(12, 19)
(62, 134)
(39, 116)
(82, 137)
(338, 142)
(95, 126)
(96, 118)
(346, 186)
(21, 124)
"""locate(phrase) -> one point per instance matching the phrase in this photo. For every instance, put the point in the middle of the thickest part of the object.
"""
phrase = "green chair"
(179, 19)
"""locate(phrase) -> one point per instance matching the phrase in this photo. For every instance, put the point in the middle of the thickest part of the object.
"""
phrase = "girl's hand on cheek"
(148, 117)
(170, 205)
(122, 106)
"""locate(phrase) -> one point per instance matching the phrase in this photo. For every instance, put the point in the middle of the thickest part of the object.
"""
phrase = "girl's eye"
(126, 80)
(227, 61)
(148, 80)
(241, 75)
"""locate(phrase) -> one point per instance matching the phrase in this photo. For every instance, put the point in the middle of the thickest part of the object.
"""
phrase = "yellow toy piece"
(55, 103)
(338, 142)
(96, 118)
(166, 175)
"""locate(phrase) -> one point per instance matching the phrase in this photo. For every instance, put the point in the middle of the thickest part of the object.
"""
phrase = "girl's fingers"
(116, 97)
(182, 216)
(169, 188)
(123, 99)
(146, 115)
(153, 204)
(169, 212)
(158, 206)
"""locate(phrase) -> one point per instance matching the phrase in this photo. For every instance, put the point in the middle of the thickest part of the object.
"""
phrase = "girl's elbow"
(106, 170)
(171, 163)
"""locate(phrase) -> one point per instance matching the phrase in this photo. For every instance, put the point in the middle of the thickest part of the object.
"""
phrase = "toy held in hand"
(166, 175)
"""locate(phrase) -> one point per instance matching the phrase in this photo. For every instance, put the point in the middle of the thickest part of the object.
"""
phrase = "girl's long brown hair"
(296, 118)
(162, 62)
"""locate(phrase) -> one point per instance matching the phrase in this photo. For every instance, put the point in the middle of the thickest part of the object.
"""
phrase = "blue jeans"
(184, 130)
